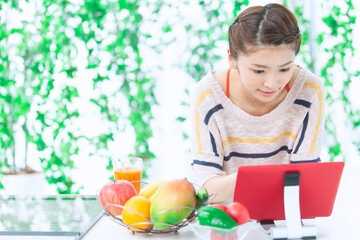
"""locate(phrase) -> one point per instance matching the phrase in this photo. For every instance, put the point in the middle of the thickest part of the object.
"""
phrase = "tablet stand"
(294, 227)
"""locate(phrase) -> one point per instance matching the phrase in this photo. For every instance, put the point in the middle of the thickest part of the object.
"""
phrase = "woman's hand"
(223, 186)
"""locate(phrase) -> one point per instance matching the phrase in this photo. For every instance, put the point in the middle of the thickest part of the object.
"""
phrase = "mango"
(172, 194)
(151, 188)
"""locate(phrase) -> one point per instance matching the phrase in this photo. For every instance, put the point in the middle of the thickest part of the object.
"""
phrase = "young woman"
(264, 109)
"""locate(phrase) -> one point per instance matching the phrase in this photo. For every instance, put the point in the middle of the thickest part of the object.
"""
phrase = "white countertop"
(108, 229)
(342, 224)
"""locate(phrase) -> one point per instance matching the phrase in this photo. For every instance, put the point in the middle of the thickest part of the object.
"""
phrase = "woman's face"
(265, 70)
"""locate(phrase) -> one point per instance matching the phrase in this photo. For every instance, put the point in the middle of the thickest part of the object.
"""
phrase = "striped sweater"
(225, 137)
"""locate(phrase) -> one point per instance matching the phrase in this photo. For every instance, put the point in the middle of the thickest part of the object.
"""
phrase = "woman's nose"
(271, 83)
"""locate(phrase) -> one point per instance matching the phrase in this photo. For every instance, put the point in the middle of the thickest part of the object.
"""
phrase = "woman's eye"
(258, 71)
(284, 69)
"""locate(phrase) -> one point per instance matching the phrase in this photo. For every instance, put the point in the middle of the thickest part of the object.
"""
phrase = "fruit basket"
(168, 216)
(152, 227)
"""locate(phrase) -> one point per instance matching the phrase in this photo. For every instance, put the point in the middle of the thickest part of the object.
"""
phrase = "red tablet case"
(261, 189)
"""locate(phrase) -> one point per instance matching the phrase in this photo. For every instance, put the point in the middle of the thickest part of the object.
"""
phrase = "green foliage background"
(38, 81)
(41, 64)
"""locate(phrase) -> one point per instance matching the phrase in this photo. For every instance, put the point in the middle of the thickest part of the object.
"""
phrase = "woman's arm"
(223, 186)
(307, 146)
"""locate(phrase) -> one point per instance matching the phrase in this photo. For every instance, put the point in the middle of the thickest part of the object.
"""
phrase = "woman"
(264, 109)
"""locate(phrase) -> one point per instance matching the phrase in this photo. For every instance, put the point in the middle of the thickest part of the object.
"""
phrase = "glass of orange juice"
(129, 168)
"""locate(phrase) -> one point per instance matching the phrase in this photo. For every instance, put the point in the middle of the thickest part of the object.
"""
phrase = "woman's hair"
(272, 24)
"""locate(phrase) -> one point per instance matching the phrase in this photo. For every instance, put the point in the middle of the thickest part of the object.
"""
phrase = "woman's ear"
(232, 61)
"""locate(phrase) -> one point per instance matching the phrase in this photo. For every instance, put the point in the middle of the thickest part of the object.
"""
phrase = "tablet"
(51, 215)
(261, 189)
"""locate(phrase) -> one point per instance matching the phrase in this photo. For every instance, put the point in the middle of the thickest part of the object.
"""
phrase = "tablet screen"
(55, 215)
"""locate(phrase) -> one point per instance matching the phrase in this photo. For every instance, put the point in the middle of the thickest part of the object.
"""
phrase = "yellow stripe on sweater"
(319, 93)
(197, 121)
(258, 140)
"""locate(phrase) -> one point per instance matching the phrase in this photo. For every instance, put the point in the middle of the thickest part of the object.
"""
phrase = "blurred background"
(85, 81)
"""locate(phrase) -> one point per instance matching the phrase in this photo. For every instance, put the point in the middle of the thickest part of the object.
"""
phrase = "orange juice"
(130, 174)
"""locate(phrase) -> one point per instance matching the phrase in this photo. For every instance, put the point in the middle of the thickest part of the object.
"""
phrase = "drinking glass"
(130, 169)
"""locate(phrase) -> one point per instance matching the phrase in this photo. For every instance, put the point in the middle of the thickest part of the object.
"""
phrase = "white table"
(344, 223)
(107, 229)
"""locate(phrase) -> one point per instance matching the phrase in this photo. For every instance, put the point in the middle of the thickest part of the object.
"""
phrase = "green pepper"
(202, 198)
(215, 217)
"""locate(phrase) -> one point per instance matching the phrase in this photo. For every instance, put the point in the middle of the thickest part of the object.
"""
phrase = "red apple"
(116, 192)
(218, 205)
(238, 212)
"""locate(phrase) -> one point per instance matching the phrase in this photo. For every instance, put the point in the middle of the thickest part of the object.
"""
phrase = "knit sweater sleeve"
(307, 147)
(206, 148)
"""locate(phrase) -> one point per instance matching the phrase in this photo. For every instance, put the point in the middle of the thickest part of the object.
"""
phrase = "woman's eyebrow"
(286, 63)
(263, 66)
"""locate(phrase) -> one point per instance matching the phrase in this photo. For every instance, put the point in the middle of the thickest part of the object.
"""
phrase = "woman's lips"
(265, 93)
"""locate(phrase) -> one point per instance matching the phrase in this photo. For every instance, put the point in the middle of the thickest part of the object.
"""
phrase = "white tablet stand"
(294, 227)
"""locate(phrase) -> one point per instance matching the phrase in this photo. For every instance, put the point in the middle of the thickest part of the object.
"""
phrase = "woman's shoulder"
(310, 77)
(220, 77)
(208, 83)
(208, 91)
(312, 85)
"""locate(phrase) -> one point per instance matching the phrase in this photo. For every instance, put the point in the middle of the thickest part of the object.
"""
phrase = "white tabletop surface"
(343, 224)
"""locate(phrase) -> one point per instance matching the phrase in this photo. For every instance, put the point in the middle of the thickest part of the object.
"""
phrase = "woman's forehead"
(268, 55)
(251, 49)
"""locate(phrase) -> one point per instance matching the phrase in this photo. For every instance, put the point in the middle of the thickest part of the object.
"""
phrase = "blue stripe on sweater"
(257, 155)
(305, 123)
(213, 144)
(211, 112)
(303, 103)
(209, 164)
(306, 161)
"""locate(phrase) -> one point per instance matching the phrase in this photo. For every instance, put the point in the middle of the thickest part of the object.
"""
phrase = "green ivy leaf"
(166, 29)
(181, 119)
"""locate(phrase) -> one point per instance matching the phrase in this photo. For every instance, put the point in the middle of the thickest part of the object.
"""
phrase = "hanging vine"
(297, 7)
(131, 82)
(339, 69)
(44, 102)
